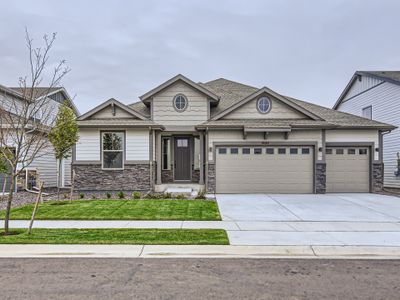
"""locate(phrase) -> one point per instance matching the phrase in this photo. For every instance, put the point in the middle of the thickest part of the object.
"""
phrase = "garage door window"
(305, 151)
(257, 151)
(270, 151)
(234, 150)
(328, 151)
(282, 151)
(294, 151)
(339, 151)
(351, 151)
(221, 150)
(362, 151)
(246, 151)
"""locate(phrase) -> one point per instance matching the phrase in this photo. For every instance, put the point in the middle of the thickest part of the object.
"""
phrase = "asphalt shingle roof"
(141, 108)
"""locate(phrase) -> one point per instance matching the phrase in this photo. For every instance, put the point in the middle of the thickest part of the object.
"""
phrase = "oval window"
(180, 103)
(263, 105)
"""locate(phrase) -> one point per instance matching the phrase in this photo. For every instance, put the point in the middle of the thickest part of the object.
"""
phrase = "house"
(376, 95)
(45, 166)
(226, 137)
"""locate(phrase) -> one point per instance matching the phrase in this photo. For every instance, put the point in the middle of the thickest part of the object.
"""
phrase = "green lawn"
(198, 210)
(118, 236)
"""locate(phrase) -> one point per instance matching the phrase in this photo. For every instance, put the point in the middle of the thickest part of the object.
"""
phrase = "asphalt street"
(181, 278)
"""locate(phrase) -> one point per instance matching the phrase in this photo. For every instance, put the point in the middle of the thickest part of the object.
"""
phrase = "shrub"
(108, 195)
(93, 196)
(180, 196)
(121, 195)
(154, 196)
(167, 195)
(81, 195)
(201, 195)
(136, 195)
(65, 196)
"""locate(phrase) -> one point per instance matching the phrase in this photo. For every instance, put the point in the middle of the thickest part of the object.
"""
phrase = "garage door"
(264, 169)
(347, 169)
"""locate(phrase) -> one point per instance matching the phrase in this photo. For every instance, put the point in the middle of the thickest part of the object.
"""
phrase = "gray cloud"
(305, 49)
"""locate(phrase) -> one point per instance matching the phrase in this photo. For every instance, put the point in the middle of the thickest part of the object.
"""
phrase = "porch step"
(178, 190)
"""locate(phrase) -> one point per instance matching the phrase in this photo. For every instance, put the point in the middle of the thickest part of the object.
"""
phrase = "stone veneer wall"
(320, 178)
(167, 176)
(377, 177)
(196, 176)
(92, 177)
(211, 179)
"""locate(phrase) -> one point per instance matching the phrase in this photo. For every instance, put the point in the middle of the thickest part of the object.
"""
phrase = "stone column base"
(320, 178)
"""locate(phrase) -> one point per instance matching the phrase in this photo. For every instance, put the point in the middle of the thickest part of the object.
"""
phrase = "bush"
(108, 195)
(154, 196)
(201, 195)
(121, 195)
(93, 196)
(81, 195)
(136, 195)
(167, 195)
(65, 196)
(180, 196)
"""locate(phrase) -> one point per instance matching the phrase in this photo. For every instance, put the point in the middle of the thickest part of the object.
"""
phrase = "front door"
(182, 158)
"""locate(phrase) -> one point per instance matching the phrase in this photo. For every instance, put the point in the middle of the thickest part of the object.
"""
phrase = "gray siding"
(385, 102)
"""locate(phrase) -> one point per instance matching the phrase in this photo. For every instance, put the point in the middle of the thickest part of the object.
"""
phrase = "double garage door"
(265, 169)
(289, 169)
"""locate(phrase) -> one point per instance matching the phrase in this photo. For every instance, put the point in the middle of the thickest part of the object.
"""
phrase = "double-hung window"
(112, 150)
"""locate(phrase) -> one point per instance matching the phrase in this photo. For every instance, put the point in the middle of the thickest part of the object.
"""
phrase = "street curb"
(198, 251)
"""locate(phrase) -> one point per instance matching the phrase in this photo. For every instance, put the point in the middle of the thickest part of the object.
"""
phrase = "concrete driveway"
(332, 219)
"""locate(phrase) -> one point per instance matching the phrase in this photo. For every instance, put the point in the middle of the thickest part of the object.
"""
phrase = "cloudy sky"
(301, 48)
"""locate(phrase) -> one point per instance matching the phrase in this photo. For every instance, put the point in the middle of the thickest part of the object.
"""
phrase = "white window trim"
(122, 150)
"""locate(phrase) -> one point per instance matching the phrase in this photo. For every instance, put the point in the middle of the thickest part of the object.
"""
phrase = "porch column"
(201, 180)
(158, 156)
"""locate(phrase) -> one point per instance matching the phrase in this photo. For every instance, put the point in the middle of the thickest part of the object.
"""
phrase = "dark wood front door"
(182, 158)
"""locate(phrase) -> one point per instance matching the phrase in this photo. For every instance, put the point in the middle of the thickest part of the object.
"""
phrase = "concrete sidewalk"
(186, 251)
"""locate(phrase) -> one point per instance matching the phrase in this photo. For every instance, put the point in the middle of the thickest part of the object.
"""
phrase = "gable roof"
(186, 80)
(386, 76)
(115, 102)
(141, 108)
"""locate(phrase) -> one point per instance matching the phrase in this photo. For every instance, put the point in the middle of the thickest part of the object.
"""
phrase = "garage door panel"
(348, 171)
(263, 173)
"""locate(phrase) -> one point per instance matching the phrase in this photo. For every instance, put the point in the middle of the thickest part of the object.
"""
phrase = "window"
(257, 151)
(339, 151)
(329, 151)
(362, 151)
(307, 150)
(166, 155)
(182, 143)
(221, 150)
(270, 150)
(367, 112)
(180, 103)
(294, 151)
(281, 150)
(246, 151)
(113, 150)
(263, 105)
(234, 151)
(351, 151)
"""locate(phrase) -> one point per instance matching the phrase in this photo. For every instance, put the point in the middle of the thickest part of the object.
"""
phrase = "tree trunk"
(59, 179)
(72, 185)
(39, 197)
(9, 201)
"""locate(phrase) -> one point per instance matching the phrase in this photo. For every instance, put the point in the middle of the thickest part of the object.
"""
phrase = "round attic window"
(264, 105)
(180, 102)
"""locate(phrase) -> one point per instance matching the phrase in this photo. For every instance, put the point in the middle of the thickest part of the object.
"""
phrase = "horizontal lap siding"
(88, 146)
(385, 101)
(46, 165)
(137, 145)
(164, 112)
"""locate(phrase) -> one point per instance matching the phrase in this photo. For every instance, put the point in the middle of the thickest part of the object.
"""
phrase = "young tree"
(27, 117)
(63, 136)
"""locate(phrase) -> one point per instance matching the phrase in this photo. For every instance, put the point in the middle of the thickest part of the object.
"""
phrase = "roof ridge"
(235, 82)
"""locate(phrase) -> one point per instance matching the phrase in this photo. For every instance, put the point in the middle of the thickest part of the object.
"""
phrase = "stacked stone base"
(135, 177)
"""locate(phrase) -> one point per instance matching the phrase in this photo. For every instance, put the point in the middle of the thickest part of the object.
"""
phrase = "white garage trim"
(264, 145)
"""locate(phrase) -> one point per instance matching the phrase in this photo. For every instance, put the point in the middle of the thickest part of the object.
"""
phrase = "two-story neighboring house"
(45, 166)
(376, 95)
(226, 137)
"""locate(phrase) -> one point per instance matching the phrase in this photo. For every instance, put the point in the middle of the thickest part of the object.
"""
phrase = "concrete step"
(179, 190)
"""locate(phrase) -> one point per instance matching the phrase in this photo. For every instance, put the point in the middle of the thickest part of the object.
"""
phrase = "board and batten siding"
(218, 136)
(361, 86)
(278, 110)
(136, 145)
(164, 112)
(385, 102)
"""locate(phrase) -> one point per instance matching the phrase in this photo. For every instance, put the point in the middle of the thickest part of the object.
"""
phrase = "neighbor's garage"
(277, 169)
(347, 170)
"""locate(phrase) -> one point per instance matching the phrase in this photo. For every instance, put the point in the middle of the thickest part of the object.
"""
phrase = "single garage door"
(275, 169)
(347, 169)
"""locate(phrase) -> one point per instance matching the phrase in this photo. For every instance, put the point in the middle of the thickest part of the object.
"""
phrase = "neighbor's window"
(166, 155)
(367, 112)
(113, 150)
(180, 102)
